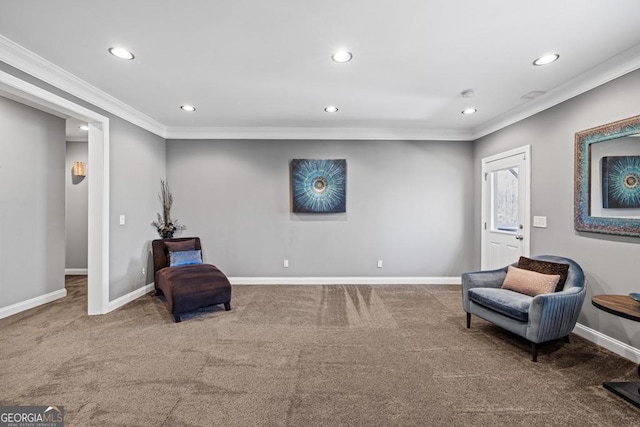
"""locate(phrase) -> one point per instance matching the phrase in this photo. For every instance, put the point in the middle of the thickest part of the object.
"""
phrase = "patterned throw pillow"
(529, 282)
(546, 267)
(185, 258)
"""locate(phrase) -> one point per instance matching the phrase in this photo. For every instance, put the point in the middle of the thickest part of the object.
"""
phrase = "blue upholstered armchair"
(539, 319)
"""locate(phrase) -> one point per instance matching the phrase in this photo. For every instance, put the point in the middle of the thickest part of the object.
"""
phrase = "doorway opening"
(76, 198)
(98, 186)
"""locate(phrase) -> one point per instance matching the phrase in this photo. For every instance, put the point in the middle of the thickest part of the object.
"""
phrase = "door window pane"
(505, 200)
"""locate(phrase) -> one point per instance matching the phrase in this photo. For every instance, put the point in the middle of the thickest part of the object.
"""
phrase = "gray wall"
(610, 262)
(137, 163)
(137, 166)
(32, 155)
(409, 204)
(77, 207)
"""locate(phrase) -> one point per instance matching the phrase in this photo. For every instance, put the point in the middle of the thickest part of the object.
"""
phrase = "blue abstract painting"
(621, 182)
(319, 186)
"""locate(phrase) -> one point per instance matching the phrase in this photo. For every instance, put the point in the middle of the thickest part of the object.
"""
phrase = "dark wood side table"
(627, 307)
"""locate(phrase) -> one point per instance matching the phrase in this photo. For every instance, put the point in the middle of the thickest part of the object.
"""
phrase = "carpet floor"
(302, 356)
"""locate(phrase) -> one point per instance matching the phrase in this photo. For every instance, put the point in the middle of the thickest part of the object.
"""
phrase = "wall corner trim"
(345, 280)
(131, 296)
(76, 271)
(611, 344)
(31, 303)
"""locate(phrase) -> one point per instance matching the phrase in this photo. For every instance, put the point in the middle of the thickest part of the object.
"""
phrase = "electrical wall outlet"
(379, 263)
(122, 220)
(285, 263)
(144, 272)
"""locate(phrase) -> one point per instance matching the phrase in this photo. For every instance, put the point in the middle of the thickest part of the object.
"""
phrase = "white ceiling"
(258, 66)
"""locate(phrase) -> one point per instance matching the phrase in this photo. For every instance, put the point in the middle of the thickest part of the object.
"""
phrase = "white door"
(505, 208)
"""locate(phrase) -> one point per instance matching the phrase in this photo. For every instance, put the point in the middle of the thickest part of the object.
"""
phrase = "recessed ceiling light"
(468, 111)
(331, 109)
(342, 56)
(83, 127)
(546, 59)
(121, 53)
(188, 107)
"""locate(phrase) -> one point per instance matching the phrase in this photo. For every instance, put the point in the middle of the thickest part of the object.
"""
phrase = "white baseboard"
(119, 302)
(611, 344)
(31, 303)
(76, 271)
(345, 280)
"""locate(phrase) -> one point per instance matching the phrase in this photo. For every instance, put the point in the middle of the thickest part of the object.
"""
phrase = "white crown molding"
(316, 133)
(33, 64)
(345, 280)
(615, 67)
(31, 303)
(30, 63)
(611, 344)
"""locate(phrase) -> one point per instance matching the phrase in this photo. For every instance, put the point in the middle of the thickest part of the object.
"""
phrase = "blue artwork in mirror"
(621, 182)
(319, 186)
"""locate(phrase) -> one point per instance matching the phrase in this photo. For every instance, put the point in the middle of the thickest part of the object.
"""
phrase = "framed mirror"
(607, 178)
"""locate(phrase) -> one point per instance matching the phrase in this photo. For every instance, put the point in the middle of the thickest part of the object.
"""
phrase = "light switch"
(122, 220)
(540, 221)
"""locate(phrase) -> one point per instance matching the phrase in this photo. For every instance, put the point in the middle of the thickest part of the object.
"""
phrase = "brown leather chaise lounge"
(186, 283)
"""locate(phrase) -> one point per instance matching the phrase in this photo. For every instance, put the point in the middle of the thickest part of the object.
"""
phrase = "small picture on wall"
(621, 182)
(319, 186)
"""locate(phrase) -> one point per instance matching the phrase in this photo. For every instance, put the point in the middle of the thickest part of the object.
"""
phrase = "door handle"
(519, 237)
